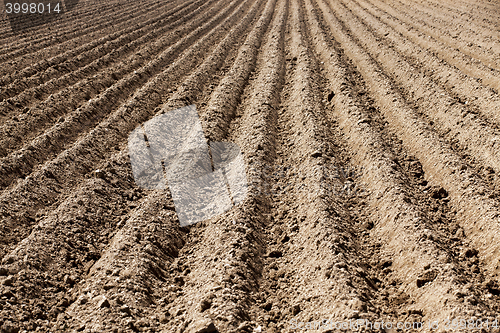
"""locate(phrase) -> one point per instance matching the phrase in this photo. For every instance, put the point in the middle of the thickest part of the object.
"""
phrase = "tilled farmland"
(370, 131)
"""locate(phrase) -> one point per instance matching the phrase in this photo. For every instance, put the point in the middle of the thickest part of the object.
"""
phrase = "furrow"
(21, 162)
(464, 88)
(313, 263)
(475, 209)
(89, 24)
(479, 38)
(9, 35)
(87, 7)
(135, 220)
(48, 184)
(151, 285)
(448, 116)
(473, 10)
(80, 56)
(465, 14)
(411, 246)
(469, 66)
(22, 127)
(68, 240)
(87, 28)
(130, 273)
(367, 130)
(468, 31)
(221, 107)
(228, 250)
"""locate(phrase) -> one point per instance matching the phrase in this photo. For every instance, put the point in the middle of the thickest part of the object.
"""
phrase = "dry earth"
(371, 134)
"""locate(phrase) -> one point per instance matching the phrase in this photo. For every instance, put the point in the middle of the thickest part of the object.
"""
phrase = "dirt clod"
(103, 302)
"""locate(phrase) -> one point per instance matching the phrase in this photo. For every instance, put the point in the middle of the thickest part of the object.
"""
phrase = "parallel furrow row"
(469, 193)
(403, 228)
(88, 22)
(235, 241)
(85, 103)
(468, 65)
(46, 185)
(50, 227)
(80, 56)
(448, 116)
(369, 132)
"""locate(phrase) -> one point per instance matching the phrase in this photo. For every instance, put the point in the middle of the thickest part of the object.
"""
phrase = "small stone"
(360, 271)
(70, 280)
(83, 299)
(316, 154)
(108, 286)
(417, 312)
(204, 326)
(132, 326)
(295, 309)
(164, 317)
(258, 329)
(7, 293)
(142, 323)
(173, 288)
(205, 305)
(275, 254)
(368, 225)
(99, 174)
(440, 193)
(490, 284)
(285, 239)
(416, 169)
(357, 305)
(9, 260)
(421, 282)
(63, 302)
(244, 327)
(126, 309)
(385, 263)
(179, 280)
(471, 253)
(103, 303)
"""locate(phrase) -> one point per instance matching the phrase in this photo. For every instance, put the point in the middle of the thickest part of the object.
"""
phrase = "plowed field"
(370, 131)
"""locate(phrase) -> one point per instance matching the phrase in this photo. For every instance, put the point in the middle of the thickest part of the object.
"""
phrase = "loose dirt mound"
(370, 130)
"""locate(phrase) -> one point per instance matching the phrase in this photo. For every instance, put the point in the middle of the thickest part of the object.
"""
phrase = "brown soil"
(371, 134)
